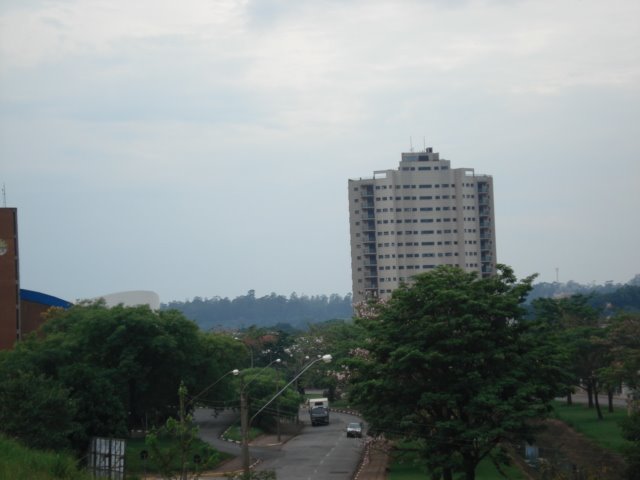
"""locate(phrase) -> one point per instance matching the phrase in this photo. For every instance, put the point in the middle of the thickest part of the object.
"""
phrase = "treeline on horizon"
(297, 312)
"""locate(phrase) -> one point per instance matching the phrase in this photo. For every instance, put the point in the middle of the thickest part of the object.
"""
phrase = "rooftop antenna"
(557, 274)
(411, 144)
(424, 143)
(4, 196)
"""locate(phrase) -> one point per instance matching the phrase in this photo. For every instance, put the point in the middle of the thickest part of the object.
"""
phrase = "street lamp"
(234, 372)
(244, 412)
(244, 416)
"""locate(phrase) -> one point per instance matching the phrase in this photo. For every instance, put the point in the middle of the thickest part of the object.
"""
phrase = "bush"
(631, 432)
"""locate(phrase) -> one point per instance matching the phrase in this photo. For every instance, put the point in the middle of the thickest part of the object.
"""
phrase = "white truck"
(319, 411)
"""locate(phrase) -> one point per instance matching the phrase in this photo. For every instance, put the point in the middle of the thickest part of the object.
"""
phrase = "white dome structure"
(132, 298)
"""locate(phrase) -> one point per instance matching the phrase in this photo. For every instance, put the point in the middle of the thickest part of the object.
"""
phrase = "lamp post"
(245, 421)
(234, 372)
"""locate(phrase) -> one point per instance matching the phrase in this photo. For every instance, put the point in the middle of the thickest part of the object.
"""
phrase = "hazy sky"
(203, 147)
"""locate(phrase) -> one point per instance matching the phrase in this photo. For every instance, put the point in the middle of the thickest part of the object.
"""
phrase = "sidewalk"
(374, 463)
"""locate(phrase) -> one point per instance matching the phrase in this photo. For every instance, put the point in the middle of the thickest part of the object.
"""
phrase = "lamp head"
(327, 358)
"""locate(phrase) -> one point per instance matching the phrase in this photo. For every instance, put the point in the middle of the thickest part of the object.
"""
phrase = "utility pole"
(245, 421)
(244, 427)
(278, 406)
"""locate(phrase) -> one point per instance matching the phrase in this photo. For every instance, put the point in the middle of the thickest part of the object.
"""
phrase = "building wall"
(413, 219)
(32, 316)
(9, 279)
(33, 306)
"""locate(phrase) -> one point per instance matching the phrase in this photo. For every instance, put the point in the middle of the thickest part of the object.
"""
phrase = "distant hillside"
(557, 289)
(298, 311)
(611, 296)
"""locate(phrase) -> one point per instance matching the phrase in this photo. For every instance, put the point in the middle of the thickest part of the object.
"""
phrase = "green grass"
(487, 471)
(21, 463)
(342, 403)
(135, 465)
(233, 433)
(604, 432)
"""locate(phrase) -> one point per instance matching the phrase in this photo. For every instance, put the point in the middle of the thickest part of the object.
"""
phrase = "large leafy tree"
(121, 367)
(261, 385)
(623, 336)
(579, 328)
(451, 366)
(36, 410)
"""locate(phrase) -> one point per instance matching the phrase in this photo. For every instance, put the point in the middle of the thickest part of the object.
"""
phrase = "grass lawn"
(135, 465)
(234, 433)
(606, 432)
(21, 463)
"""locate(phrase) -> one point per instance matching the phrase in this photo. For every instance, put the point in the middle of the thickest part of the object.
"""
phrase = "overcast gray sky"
(203, 147)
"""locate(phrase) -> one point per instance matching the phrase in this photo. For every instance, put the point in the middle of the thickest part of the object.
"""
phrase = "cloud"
(255, 113)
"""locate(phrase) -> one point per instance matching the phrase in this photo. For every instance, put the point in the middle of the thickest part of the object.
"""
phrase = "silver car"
(354, 429)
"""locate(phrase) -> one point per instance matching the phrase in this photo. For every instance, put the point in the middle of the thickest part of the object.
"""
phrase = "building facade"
(9, 279)
(424, 214)
(21, 311)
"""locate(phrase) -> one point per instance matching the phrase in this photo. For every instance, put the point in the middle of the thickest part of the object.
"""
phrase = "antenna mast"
(4, 196)
(411, 144)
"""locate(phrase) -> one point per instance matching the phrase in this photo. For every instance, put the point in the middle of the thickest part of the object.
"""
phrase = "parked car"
(354, 429)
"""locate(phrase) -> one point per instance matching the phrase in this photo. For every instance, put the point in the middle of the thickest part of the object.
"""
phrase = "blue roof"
(44, 299)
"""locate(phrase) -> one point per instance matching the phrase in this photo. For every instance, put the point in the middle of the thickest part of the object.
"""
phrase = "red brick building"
(9, 279)
(21, 311)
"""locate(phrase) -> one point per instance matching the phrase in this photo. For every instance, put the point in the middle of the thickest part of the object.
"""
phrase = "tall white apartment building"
(413, 219)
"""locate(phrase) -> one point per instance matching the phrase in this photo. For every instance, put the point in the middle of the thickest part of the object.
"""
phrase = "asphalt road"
(318, 453)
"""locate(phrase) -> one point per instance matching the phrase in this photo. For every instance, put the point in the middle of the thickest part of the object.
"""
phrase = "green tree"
(631, 432)
(451, 366)
(623, 337)
(180, 459)
(261, 385)
(579, 328)
(36, 410)
(341, 338)
(121, 366)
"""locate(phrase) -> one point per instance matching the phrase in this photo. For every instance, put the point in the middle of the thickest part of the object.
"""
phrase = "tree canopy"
(112, 369)
(246, 310)
(450, 365)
